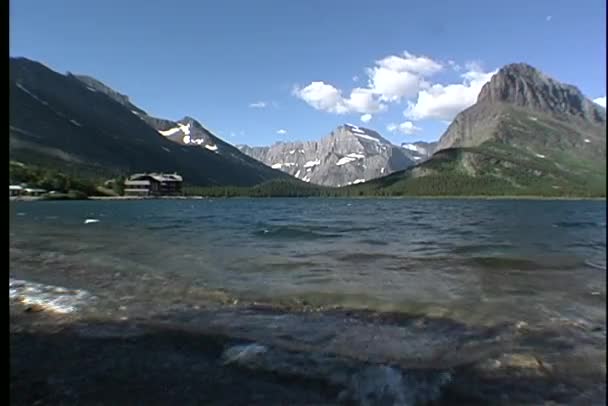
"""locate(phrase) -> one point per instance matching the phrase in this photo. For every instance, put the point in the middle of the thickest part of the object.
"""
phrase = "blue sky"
(248, 69)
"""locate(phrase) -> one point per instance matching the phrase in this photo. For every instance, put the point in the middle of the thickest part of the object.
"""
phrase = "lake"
(405, 284)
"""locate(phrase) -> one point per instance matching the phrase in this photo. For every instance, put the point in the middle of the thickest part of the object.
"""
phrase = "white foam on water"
(243, 354)
(51, 298)
(361, 383)
(91, 221)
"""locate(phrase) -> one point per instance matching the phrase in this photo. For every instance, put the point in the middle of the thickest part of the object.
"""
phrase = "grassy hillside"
(491, 170)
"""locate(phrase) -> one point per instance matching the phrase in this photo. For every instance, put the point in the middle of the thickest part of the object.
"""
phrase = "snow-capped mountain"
(348, 155)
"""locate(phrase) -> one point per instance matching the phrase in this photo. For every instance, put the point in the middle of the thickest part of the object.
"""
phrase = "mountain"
(348, 155)
(187, 131)
(79, 125)
(419, 151)
(527, 134)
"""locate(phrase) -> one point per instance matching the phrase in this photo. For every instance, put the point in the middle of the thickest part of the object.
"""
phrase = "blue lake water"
(479, 263)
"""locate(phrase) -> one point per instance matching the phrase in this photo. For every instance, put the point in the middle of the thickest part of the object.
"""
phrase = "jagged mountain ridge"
(86, 127)
(186, 131)
(348, 155)
(520, 89)
(528, 134)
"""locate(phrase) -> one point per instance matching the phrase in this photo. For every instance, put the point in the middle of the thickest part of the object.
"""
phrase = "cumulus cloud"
(443, 102)
(325, 97)
(258, 105)
(407, 128)
(407, 62)
(391, 85)
(322, 96)
(400, 76)
(391, 79)
(282, 131)
(363, 101)
(601, 101)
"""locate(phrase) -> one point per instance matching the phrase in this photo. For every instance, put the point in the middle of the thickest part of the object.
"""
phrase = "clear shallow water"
(474, 263)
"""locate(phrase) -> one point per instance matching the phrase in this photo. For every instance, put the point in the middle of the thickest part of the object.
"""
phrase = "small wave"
(374, 242)
(525, 263)
(575, 224)
(295, 232)
(595, 265)
(51, 298)
(91, 221)
(361, 383)
(476, 248)
(165, 227)
(386, 385)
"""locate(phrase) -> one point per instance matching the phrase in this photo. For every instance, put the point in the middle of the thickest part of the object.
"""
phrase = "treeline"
(52, 180)
(445, 184)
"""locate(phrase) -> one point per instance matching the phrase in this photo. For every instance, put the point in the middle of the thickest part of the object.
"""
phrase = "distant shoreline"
(112, 198)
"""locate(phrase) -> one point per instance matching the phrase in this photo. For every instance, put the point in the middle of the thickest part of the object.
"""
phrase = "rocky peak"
(525, 86)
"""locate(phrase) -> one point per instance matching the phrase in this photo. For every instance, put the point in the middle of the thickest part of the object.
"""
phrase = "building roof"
(159, 177)
(137, 182)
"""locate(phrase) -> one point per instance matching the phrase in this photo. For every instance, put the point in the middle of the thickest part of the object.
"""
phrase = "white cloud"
(282, 131)
(396, 77)
(325, 97)
(407, 128)
(363, 101)
(420, 65)
(549, 18)
(258, 105)
(322, 96)
(392, 85)
(601, 101)
(391, 79)
(401, 77)
(443, 102)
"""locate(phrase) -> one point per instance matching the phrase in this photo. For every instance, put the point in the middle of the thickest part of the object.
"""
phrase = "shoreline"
(110, 198)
